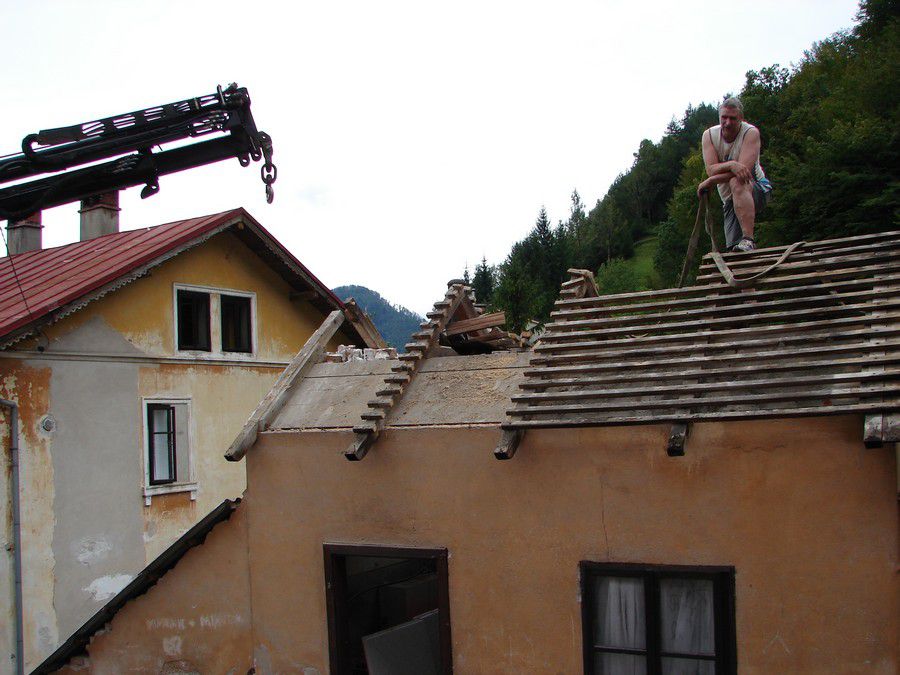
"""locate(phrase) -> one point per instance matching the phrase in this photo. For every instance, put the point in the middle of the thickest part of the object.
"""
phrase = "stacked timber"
(817, 335)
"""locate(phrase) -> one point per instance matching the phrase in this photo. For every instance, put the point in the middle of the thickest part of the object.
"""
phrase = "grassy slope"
(642, 262)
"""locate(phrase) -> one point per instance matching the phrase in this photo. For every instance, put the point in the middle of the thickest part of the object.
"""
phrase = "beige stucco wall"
(87, 530)
(805, 514)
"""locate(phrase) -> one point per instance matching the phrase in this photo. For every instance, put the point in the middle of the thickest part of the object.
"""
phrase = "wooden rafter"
(390, 393)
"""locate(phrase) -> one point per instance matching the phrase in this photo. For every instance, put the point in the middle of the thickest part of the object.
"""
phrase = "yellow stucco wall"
(142, 311)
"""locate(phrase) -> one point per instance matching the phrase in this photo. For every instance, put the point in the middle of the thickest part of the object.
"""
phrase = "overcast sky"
(411, 138)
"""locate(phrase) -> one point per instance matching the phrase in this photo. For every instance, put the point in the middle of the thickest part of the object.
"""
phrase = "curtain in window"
(619, 623)
(687, 624)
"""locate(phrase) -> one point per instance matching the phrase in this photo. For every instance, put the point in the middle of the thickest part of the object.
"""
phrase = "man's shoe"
(745, 245)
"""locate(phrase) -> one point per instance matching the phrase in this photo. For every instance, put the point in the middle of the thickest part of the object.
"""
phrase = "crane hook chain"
(268, 171)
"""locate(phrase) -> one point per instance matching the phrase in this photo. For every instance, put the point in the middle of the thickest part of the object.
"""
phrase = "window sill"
(216, 356)
(151, 491)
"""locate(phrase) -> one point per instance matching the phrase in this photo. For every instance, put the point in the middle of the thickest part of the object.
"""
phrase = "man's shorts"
(762, 192)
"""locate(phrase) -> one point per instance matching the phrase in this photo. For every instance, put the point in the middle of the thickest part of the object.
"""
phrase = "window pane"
(193, 321)
(162, 467)
(161, 438)
(619, 612)
(160, 419)
(236, 324)
(619, 664)
(687, 667)
(686, 616)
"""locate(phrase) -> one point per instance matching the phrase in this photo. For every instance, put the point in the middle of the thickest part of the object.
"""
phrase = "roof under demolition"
(43, 286)
(815, 336)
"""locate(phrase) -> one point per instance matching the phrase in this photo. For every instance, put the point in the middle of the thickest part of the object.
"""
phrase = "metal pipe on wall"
(17, 531)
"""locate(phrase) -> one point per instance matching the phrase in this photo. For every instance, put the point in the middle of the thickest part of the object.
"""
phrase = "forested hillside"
(395, 323)
(831, 146)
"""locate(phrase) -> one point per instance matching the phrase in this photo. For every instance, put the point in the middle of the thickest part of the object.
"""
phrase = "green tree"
(617, 276)
(483, 282)
(516, 292)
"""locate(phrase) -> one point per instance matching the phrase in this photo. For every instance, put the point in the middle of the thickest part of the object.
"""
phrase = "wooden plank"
(509, 443)
(381, 402)
(835, 329)
(873, 430)
(360, 447)
(677, 437)
(802, 254)
(722, 299)
(649, 371)
(757, 318)
(363, 325)
(657, 417)
(478, 323)
(272, 403)
(709, 304)
(640, 368)
(824, 393)
(824, 244)
(617, 357)
(721, 287)
(700, 387)
(836, 263)
(657, 318)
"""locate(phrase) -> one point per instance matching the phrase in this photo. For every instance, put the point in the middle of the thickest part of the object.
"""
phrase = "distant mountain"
(395, 323)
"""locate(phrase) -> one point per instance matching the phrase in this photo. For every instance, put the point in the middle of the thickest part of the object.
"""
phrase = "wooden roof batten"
(581, 286)
(425, 340)
(817, 335)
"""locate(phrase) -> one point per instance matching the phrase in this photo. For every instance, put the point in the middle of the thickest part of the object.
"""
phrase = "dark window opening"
(193, 321)
(388, 610)
(658, 620)
(161, 443)
(236, 324)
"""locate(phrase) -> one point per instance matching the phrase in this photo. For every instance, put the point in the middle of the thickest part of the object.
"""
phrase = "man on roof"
(731, 154)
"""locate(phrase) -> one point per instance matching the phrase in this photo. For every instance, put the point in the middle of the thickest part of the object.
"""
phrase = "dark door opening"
(388, 610)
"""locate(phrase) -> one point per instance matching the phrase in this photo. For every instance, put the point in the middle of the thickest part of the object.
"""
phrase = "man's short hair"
(732, 102)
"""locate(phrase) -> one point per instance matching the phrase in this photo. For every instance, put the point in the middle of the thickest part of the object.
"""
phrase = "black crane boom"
(127, 141)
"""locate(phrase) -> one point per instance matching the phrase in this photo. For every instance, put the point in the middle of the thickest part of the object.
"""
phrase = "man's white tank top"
(728, 151)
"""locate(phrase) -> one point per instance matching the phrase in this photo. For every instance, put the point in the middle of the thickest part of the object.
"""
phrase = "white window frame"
(189, 485)
(215, 323)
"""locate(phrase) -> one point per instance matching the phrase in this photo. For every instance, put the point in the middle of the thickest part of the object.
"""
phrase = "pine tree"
(483, 282)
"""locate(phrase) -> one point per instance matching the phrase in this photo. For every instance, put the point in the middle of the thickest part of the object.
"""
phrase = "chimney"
(24, 235)
(99, 215)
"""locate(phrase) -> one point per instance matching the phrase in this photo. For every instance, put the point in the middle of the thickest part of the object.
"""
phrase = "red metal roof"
(35, 284)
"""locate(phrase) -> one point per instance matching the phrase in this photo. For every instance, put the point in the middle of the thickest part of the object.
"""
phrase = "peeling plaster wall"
(97, 472)
(29, 385)
(87, 529)
(221, 401)
(195, 619)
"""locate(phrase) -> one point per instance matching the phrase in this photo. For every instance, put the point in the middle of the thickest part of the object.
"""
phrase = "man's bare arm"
(714, 180)
(739, 168)
(750, 149)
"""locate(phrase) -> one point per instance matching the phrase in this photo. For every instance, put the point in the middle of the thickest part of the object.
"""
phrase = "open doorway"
(388, 610)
